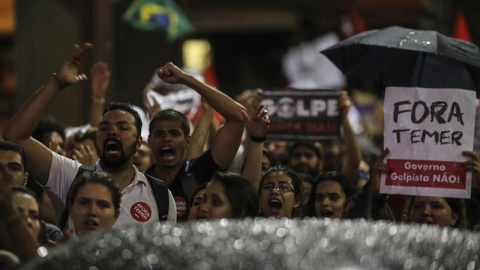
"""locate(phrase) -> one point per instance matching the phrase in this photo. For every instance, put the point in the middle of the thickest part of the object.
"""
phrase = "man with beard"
(170, 137)
(117, 139)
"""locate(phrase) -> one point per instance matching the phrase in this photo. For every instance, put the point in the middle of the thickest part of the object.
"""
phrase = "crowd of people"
(57, 184)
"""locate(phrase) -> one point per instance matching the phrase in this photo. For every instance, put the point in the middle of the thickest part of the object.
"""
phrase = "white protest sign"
(426, 131)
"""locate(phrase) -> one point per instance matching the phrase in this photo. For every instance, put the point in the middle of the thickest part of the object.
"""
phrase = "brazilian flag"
(163, 15)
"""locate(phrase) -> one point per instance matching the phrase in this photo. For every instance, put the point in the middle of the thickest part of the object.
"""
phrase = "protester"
(13, 164)
(196, 201)
(443, 212)
(27, 205)
(51, 134)
(94, 202)
(228, 195)
(169, 139)
(280, 192)
(117, 140)
(329, 195)
(143, 157)
(309, 158)
(16, 236)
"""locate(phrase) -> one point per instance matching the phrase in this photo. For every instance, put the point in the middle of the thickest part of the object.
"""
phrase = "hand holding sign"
(474, 166)
(429, 133)
(379, 168)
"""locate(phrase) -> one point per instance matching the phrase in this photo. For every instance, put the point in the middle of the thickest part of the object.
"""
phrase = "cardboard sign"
(302, 114)
(426, 131)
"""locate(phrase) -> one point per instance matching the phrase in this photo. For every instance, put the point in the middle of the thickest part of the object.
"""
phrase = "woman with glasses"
(280, 192)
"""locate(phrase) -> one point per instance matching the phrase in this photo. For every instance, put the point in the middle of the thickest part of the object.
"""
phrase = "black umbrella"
(397, 56)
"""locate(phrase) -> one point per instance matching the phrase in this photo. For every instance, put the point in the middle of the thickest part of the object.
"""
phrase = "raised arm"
(257, 128)
(353, 153)
(22, 124)
(229, 136)
(199, 135)
(100, 81)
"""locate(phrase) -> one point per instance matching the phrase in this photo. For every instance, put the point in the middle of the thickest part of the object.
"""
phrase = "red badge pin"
(141, 212)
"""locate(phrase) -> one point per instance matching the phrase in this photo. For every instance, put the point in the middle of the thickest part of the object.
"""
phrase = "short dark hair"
(169, 115)
(91, 134)
(24, 190)
(310, 145)
(102, 178)
(49, 124)
(241, 194)
(328, 176)
(11, 146)
(296, 179)
(126, 107)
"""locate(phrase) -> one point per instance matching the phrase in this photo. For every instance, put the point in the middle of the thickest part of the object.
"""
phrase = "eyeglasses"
(282, 187)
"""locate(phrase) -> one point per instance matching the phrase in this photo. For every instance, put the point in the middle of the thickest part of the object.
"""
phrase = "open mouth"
(167, 153)
(112, 146)
(426, 221)
(91, 224)
(275, 205)
(201, 216)
(325, 213)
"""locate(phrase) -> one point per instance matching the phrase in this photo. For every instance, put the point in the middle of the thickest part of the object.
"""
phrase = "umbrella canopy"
(397, 56)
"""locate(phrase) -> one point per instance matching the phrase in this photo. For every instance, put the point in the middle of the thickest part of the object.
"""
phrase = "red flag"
(461, 28)
(352, 22)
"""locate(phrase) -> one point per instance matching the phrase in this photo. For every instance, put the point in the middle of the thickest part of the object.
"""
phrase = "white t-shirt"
(138, 203)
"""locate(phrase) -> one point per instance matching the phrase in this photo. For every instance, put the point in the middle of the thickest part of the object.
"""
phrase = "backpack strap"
(66, 212)
(160, 192)
(189, 183)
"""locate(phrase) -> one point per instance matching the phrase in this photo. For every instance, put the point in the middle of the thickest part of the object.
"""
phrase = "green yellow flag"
(163, 15)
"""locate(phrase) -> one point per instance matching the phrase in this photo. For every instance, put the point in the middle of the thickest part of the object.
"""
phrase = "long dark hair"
(242, 196)
(327, 176)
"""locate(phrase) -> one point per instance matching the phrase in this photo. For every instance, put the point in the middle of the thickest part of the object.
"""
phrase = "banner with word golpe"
(426, 131)
(302, 114)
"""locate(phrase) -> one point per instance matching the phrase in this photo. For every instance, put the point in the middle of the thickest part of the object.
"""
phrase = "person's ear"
(188, 140)
(25, 178)
(297, 202)
(454, 218)
(139, 143)
(321, 163)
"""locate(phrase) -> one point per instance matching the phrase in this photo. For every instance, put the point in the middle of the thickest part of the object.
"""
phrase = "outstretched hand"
(85, 155)
(153, 108)
(474, 166)
(67, 74)
(170, 73)
(378, 169)
(257, 126)
(100, 79)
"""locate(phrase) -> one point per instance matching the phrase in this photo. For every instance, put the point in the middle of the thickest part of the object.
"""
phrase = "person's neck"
(167, 174)
(123, 175)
